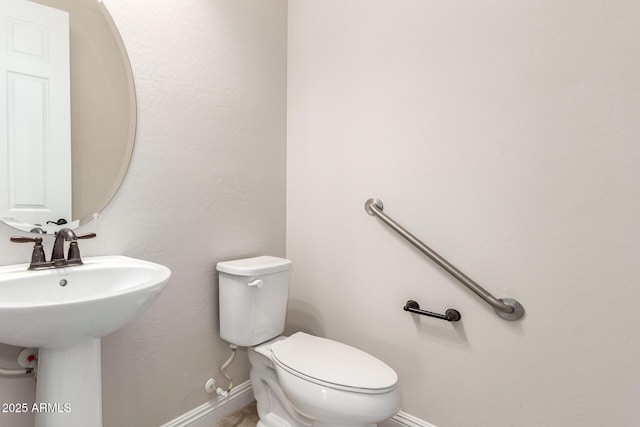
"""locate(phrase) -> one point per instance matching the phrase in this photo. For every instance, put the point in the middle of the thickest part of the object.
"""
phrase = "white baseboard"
(213, 411)
(403, 419)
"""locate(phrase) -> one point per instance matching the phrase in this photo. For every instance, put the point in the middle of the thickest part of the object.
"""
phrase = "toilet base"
(274, 409)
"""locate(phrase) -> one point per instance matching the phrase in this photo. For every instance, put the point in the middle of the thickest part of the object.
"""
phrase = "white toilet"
(301, 380)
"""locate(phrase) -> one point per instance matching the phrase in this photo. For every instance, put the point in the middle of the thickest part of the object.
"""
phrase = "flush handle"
(257, 283)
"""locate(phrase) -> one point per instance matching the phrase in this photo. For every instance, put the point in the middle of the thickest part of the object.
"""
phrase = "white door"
(35, 123)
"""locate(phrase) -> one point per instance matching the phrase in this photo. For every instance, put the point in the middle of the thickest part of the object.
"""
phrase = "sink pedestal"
(69, 386)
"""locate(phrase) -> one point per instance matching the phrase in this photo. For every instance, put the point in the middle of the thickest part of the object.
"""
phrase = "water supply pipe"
(223, 368)
(13, 372)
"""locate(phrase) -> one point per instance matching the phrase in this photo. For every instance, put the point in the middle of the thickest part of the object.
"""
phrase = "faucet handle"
(87, 236)
(38, 259)
(22, 239)
(73, 257)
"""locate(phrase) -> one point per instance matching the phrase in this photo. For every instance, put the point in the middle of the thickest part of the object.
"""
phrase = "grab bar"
(506, 308)
(451, 315)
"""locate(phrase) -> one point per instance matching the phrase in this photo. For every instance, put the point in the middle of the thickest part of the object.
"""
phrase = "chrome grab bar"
(506, 308)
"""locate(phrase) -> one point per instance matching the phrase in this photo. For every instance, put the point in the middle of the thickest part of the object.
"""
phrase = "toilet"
(302, 379)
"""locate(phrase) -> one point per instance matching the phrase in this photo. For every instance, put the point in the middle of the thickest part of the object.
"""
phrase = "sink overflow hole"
(63, 282)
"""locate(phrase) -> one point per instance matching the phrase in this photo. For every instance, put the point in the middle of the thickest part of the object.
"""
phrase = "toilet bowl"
(300, 380)
(333, 383)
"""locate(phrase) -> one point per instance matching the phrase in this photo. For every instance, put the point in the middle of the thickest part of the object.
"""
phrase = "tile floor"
(245, 417)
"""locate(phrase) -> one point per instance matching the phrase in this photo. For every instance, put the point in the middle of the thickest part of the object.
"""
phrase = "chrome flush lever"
(257, 283)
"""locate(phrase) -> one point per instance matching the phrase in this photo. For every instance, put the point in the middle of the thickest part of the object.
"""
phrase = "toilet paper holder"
(451, 315)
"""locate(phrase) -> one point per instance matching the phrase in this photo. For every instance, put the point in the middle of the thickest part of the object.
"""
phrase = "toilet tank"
(253, 296)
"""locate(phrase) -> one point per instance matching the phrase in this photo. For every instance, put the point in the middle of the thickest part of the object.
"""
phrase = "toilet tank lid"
(333, 362)
(254, 266)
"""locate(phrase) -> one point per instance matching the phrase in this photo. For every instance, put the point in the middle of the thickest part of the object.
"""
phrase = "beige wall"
(206, 183)
(504, 134)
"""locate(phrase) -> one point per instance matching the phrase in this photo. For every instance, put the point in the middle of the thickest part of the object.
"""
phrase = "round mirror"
(69, 108)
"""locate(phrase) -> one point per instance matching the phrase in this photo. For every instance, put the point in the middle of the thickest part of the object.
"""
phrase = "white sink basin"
(65, 312)
(61, 307)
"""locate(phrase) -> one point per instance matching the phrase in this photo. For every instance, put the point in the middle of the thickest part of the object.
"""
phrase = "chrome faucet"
(38, 261)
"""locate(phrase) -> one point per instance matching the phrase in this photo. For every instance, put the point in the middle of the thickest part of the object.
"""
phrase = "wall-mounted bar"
(450, 315)
(506, 308)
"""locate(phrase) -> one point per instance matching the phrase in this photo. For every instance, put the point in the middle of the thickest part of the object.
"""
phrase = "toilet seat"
(333, 364)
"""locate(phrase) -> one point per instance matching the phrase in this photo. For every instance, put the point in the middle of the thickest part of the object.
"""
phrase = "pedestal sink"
(64, 312)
